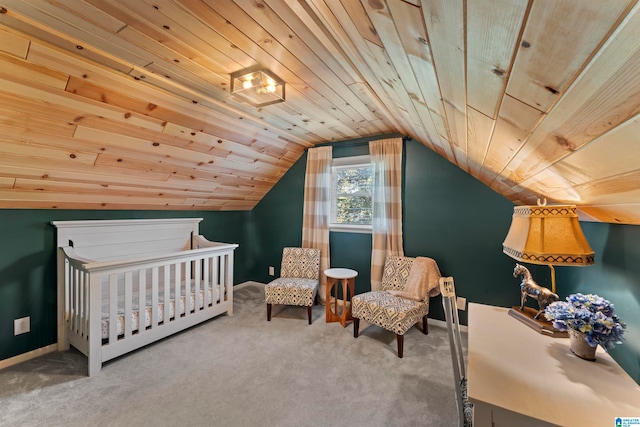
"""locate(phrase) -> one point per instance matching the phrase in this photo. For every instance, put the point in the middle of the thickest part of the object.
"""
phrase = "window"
(351, 194)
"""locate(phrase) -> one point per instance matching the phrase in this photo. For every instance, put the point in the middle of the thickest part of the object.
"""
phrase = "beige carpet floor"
(245, 371)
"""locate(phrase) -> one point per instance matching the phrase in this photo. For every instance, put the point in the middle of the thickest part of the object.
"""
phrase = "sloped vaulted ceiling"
(121, 104)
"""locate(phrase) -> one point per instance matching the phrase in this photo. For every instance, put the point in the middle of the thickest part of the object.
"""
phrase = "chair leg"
(356, 327)
(309, 312)
(425, 326)
(268, 312)
(400, 345)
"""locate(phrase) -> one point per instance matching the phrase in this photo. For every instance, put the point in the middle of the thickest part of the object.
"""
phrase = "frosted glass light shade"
(257, 86)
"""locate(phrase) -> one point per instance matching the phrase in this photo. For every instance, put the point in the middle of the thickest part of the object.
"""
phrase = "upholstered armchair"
(397, 307)
(298, 281)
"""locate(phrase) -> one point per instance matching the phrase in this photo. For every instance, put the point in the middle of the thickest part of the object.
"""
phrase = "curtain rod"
(359, 141)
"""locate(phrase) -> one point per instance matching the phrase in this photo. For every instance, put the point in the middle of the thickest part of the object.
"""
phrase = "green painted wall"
(28, 265)
(276, 222)
(461, 223)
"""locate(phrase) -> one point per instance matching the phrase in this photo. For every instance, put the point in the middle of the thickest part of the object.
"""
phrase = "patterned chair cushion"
(388, 311)
(291, 291)
(396, 271)
(303, 263)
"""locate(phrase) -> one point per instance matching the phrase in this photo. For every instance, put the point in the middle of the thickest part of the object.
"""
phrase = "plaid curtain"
(386, 162)
(317, 199)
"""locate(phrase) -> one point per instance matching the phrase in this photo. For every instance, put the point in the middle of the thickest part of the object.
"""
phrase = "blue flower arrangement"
(590, 314)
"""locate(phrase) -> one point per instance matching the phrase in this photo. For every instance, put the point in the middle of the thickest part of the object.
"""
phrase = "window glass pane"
(352, 195)
(353, 210)
(354, 180)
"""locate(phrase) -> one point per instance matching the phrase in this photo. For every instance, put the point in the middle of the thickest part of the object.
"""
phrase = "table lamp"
(548, 235)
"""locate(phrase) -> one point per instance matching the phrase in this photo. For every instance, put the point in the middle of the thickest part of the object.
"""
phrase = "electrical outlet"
(21, 326)
(462, 303)
(272, 271)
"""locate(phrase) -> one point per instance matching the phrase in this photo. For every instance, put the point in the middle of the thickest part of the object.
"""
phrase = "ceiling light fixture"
(257, 86)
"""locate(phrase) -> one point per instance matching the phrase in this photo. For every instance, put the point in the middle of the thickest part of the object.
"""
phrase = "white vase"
(580, 347)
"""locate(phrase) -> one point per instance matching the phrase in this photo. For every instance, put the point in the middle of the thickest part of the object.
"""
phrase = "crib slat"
(71, 283)
(74, 304)
(128, 303)
(78, 308)
(68, 280)
(113, 308)
(167, 295)
(78, 324)
(154, 297)
(83, 288)
(223, 277)
(187, 287)
(142, 298)
(73, 280)
(79, 304)
(208, 290)
(215, 273)
(176, 284)
(199, 299)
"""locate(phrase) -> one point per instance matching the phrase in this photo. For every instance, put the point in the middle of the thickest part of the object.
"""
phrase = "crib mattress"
(206, 298)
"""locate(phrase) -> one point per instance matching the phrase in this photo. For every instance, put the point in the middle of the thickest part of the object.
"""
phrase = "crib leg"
(63, 342)
(94, 365)
(268, 312)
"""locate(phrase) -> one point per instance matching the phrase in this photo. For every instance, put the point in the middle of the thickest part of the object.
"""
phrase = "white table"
(518, 377)
(347, 277)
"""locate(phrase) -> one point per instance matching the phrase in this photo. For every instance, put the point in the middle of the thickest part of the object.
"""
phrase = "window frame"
(340, 163)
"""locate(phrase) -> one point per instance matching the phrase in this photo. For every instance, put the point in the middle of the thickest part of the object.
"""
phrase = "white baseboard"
(28, 356)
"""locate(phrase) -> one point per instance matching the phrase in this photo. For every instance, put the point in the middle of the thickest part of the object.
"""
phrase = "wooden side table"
(348, 279)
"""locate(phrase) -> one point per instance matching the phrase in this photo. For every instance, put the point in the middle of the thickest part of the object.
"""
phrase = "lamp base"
(541, 326)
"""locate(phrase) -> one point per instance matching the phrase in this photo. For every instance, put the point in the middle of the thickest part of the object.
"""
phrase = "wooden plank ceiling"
(120, 104)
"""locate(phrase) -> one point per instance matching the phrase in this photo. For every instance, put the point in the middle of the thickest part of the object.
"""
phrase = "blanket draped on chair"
(422, 282)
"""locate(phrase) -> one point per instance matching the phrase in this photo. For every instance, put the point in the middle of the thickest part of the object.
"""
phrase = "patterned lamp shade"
(549, 235)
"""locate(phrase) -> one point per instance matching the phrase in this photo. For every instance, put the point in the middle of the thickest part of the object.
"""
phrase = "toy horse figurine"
(529, 288)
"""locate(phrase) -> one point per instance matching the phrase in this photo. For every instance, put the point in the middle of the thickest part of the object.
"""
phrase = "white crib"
(123, 284)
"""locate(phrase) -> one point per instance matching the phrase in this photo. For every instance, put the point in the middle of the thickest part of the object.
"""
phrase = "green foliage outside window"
(353, 195)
